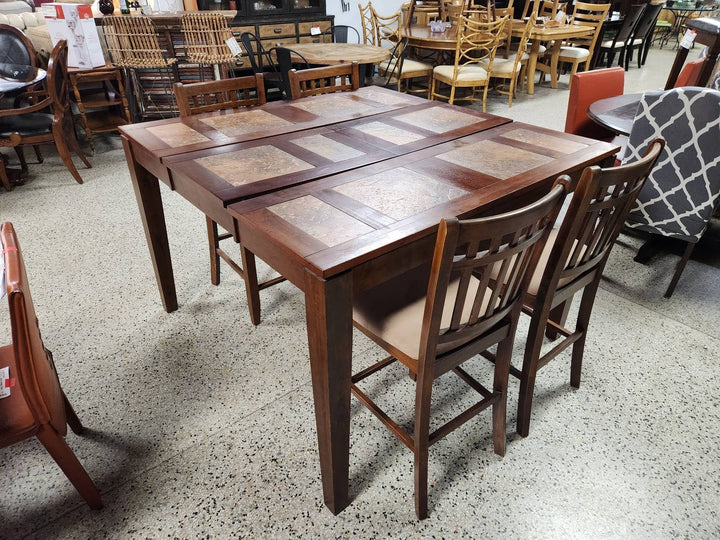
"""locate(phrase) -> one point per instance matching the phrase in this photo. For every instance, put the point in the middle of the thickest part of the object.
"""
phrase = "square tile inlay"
(175, 135)
(439, 119)
(542, 139)
(391, 134)
(328, 148)
(320, 220)
(386, 98)
(253, 164)
(334, 105)
(244, 122)
(400, 193)
(494, 159)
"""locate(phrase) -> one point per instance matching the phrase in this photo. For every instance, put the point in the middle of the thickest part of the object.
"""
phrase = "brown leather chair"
(37, 405)
(220, 95)
(436, 317)
(32, 125)
(573, 260)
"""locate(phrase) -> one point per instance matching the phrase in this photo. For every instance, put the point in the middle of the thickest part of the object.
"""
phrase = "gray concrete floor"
(201, 425)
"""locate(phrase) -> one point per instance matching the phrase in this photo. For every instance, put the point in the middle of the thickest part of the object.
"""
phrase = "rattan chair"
(512, 68)
(205, 35)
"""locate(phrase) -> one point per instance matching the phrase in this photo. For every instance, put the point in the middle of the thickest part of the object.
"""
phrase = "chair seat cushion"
(393, 311)
(503, 67)
(608, 44)
(26, 124)
(466, 73)
(576, 53)
(412, 66)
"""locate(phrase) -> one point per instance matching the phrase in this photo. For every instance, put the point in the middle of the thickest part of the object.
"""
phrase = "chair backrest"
(37, 397)
(680, 194)
(58, 82)
(388, 29)
(589, 14)
(324, 80)
(286, 59)
(543, 8)
(479, 272)
(342, 33)
(368, 24)
(132, 42)
(586, 88)
(627, 29)
(426, 9)
(255, 51)
(205, 34)
(523, 43)
(690, 73)
(477, 41)
(646, 25)
(15, 47)
(210, 96)
(392, 69)
(599, 205)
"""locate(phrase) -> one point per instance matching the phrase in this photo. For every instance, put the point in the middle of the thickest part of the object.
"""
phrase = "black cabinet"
(262, 9)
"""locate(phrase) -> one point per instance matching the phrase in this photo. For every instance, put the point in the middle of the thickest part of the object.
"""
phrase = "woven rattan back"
(133, 43)
(205, 38)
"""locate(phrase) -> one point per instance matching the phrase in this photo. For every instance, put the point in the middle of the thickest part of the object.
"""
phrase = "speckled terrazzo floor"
(200, 425)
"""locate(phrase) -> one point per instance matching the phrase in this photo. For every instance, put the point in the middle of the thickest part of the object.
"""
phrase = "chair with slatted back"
(438, 316)
(620, 41)
(678, 199)
(37, 405)
(572, 261)
(222, 95)
(206, 34)
(369, 35)
(642, 37)
(512, 68)
(324, 80)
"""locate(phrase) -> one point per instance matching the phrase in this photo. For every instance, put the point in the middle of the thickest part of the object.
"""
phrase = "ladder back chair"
(221, 95)
(512, 68)
(619, 43)
(436, 317)
(573, 260)
(475, 49)
(579, 51)
(37, 405)
(324, 80)
(678, 199)
(642, 37)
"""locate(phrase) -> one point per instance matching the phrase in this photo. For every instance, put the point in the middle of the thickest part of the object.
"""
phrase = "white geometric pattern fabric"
(678, 197)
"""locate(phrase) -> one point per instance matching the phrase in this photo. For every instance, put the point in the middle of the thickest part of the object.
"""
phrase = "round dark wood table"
(615, 113)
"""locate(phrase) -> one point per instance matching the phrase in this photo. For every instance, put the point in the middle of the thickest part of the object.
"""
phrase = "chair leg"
(68, 462)
(213, 244)
(679, 269)
(38, 155)
(3, 175)
(423, 394)
(529, 371)
(71, 417)
(21, 158)
(252, 289)
(583, 321)
(500, 384)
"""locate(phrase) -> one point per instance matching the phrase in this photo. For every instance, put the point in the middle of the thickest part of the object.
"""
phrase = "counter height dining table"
(339, 204)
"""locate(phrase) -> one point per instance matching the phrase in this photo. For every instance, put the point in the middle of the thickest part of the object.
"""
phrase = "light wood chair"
(436, 317)
(211, 96)
(512, 68)
(324, 80)
(476, 42)
(37, 405)
(579, 51)
(572, 261)
(369, 34)
(426, 10)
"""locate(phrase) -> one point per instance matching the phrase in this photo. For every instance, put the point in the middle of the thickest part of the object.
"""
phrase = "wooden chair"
(205, 34)
(619, 43)
(221, 95)
(426, 10)
(37, 405)
(369, 34)
(585, 89)
(580, 49)
(573, 260)
(132, 43)
(476, 42)
(29, 126)
(642, 37)
(324, 80)
(435, 318)
(512, 68)
(678, 199)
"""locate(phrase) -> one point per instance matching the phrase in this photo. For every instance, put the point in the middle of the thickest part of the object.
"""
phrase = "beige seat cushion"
(467, 73)
(408, 67)
(394, 310)
(576, 53)
(503, 67)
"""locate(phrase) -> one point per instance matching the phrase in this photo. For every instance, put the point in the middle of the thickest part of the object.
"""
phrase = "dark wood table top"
(342, 221)
(615, 113)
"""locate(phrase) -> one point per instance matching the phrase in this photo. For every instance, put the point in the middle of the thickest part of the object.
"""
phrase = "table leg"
(147, 193)
(554, 63)
(328, 306)
(532, 65)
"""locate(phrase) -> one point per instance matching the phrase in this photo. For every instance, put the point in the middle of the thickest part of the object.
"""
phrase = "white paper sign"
(688, 39)
(315, 31)
(4, 375)
(234, 46)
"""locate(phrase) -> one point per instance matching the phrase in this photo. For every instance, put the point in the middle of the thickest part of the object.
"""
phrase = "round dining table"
(14, 77)
(615, 113)
(329, 54)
